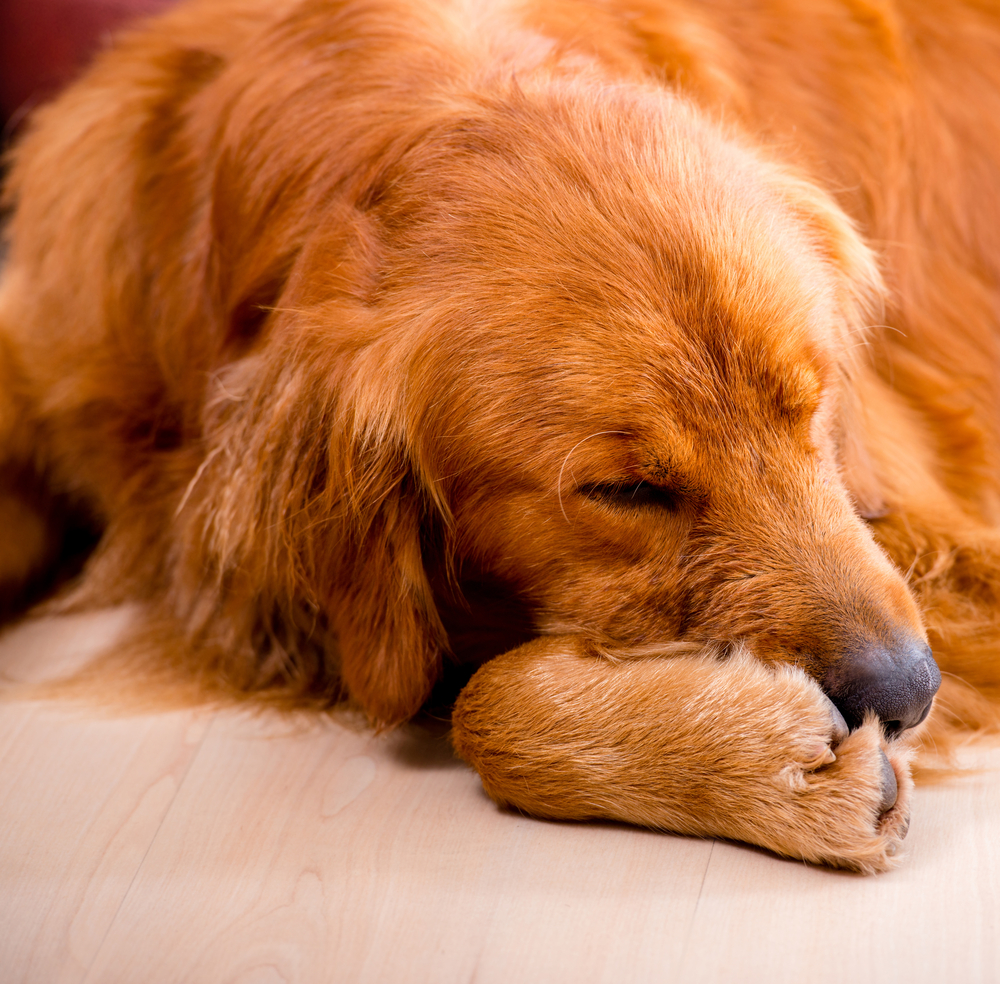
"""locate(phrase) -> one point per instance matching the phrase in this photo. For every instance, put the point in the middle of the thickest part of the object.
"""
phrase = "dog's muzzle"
(897, 682)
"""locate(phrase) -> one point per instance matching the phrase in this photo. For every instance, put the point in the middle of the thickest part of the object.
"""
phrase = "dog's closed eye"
(632, 495)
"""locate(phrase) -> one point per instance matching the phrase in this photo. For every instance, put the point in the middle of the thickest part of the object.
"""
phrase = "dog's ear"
(389, 634)
(375, 494)
(315, 512)
(860, 290)
(860, 302)
(313, 494)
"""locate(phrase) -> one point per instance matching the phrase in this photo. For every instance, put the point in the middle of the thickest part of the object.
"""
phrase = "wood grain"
(221, 847)
(81, 805)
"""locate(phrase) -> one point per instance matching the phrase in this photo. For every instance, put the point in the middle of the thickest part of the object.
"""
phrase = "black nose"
(897, 681)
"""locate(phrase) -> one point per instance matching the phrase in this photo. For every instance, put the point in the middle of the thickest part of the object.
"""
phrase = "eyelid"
(631, 494)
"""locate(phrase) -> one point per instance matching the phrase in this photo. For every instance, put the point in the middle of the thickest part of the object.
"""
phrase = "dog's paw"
(857, 809)
(841, 799)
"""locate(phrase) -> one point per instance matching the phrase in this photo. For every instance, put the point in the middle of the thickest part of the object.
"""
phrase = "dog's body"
(379, 335)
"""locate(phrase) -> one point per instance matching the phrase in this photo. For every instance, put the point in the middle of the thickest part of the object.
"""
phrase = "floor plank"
(82, 802)
(222, 847)
(82, 798)
(381, 856)
(936, 918)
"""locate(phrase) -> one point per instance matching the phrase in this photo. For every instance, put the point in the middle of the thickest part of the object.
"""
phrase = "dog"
(634, 363)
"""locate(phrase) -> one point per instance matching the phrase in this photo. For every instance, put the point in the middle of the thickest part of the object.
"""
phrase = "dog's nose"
(897, 682)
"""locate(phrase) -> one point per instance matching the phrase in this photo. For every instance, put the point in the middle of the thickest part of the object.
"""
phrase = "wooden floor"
(215, 847)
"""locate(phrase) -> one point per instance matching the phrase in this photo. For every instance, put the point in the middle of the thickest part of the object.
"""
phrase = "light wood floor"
(214, 847)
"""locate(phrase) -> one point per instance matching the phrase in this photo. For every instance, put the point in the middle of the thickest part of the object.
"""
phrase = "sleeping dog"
(641, 356)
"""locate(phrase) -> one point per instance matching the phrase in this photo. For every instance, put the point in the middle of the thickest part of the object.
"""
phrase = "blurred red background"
(43, 43)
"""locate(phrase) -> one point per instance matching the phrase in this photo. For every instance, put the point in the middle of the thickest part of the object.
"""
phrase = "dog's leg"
(693, 744)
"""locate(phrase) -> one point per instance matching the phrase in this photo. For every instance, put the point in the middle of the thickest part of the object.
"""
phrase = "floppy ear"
(307, 527)
(310, 503)
(861, 291)
(860, 302)
(389, 635)
(377, 493)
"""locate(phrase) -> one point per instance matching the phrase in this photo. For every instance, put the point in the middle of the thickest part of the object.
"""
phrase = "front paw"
(852, 812)
(838, 799)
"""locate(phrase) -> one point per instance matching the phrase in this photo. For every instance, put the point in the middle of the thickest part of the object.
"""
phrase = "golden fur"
(644, 354)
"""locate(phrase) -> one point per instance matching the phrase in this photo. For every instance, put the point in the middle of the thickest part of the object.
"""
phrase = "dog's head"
(586, 364)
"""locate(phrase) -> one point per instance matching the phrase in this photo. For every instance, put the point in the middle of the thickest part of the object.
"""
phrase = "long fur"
(347, 322)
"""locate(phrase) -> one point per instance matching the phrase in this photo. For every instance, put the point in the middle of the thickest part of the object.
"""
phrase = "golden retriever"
(643, 355)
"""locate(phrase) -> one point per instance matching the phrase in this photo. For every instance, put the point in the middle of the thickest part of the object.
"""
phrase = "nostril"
(926, 710)
(893, 728)
(897, 683)
(919, 684)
